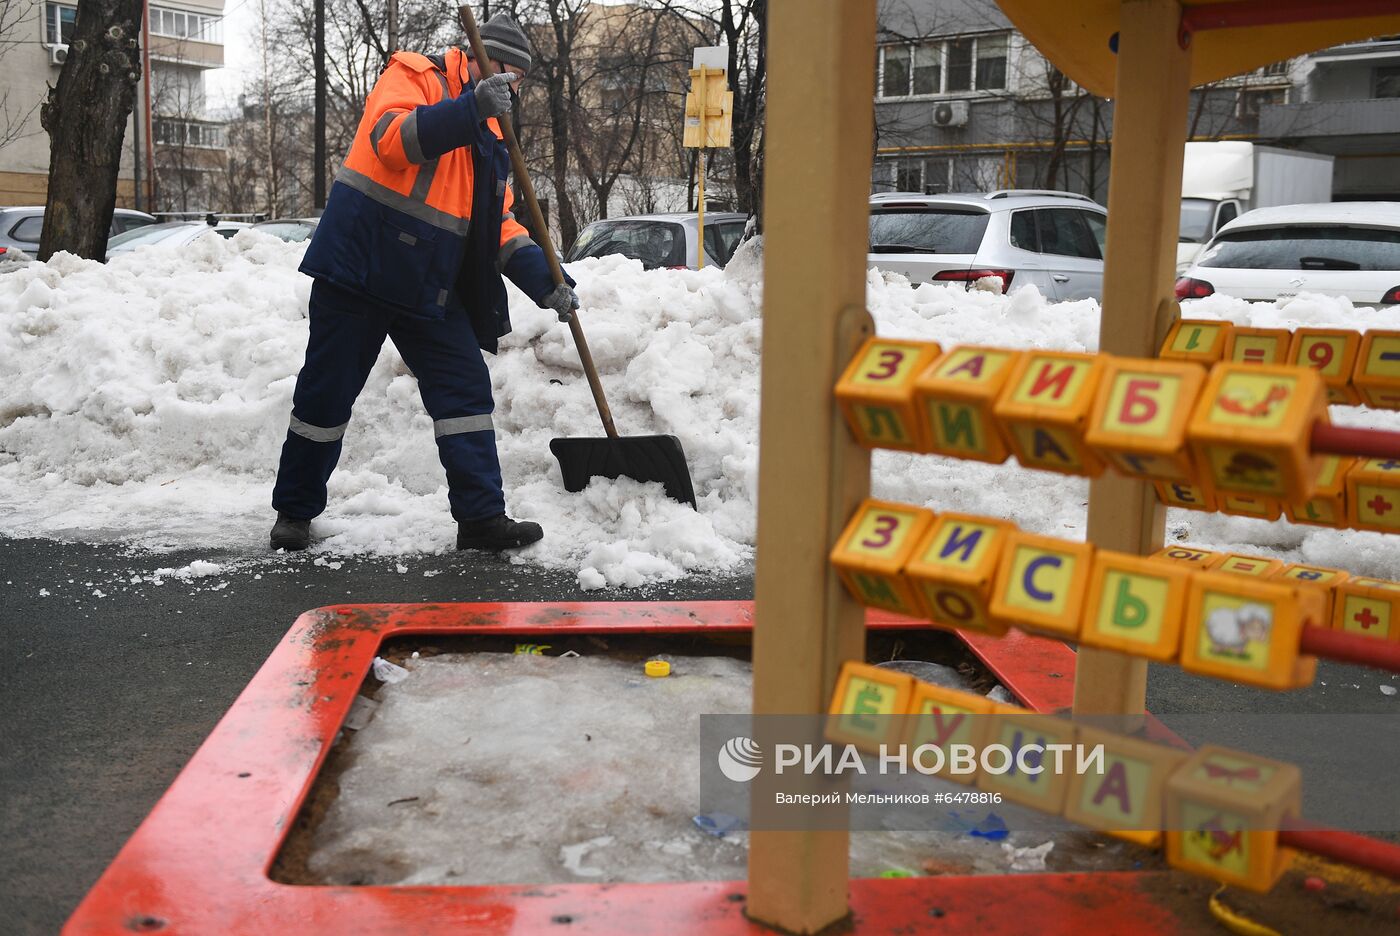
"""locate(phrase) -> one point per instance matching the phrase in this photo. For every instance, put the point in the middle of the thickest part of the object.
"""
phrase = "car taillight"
(3, 249)
(1188, 288)
(972, 276)
(1392, 295)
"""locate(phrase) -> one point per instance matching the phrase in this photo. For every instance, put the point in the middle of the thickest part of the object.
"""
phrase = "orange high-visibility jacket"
(419, 216)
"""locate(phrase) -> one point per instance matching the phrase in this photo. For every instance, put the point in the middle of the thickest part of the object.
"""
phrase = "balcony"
(1330, 118)
(187, 52)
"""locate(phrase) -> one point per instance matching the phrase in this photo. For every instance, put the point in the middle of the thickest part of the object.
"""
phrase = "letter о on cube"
(1127, 798)
(1368, 607)
(1373, 495)
(1135, 605)
(1328, 504)
(956, 395)
(1044, 407)
(1332, 353)
(876, 393)
(945, 717)
(952, 569)
(1139, 418)
(861, 707)
(1249, 631)
(1224, 812)
(1040, 584)
(872, 550)
(1199, 340)
(1376, 376)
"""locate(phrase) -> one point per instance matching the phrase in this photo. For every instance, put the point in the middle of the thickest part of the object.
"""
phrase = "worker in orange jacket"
(416, 235)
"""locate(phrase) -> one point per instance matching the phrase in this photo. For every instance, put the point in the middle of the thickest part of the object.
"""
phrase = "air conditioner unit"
(950, 114)
(58, 54)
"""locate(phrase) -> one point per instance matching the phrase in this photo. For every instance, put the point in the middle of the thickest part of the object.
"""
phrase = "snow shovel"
(642, 458)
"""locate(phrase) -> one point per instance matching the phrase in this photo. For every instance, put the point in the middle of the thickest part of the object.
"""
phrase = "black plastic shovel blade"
(642, 458)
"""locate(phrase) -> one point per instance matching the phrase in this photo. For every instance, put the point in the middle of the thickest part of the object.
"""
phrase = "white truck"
(1222, 180)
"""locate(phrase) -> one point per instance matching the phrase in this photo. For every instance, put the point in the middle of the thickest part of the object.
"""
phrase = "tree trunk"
(85, 116)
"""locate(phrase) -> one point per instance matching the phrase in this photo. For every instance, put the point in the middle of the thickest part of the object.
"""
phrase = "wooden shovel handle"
(541, 230)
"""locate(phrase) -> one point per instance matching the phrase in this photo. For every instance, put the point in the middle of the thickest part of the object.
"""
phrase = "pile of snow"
(145, 401)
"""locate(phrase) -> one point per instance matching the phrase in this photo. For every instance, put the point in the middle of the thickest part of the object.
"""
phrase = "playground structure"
(199, 862)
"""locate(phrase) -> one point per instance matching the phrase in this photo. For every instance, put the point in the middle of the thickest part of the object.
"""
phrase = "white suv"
(1051, 240)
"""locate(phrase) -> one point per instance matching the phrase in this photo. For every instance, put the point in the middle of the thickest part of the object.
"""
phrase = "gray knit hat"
(505, 42)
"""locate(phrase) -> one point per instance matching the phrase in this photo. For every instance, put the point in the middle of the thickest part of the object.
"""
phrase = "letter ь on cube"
(1224, 812)
(952, 569)
(1249, 631)
(1135, 605)
(1368, 607)
(1139, 418)
(944, 717)
(956, 394)
(1044, 407)
(872, 551)
(1127, 797)
(876, 393)
(863, 704)
(1373, 495)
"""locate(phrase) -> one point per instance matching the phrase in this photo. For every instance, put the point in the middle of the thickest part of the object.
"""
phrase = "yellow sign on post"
(709, 116)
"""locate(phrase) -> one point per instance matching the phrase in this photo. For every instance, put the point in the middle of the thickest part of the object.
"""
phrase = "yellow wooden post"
(700, 164)
(1144, 202)
(820, 121)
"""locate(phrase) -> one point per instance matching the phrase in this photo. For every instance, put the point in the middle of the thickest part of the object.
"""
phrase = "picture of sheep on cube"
(1249, 631)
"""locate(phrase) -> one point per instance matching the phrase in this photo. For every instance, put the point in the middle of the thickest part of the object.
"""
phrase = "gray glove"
(563, 301)
(493, 95)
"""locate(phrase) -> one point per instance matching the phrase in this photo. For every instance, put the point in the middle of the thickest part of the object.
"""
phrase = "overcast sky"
(222, 85)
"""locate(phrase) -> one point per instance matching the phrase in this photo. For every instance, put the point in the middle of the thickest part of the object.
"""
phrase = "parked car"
(662, 240)
(1349, 249)
(20, 227)
(171, 234)
(291, 230)
(1051, 240)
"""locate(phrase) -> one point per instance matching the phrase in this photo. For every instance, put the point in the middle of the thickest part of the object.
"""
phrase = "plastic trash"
(717, 824)
(1028, 859)
(387, 672)
(897, 873)
(1388, 690)
(572, 856)
(1001, 694)
(531, 649)
(657, 669)
(991, 826)
(569, 653)
(361, 711)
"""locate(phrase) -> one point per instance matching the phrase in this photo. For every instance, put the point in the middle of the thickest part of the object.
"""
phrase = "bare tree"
(13, 118)
(86, 117)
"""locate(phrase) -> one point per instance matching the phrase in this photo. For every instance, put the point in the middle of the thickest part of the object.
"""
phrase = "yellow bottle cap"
(658, 668)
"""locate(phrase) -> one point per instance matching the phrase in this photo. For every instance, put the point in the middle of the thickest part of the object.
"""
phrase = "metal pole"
(318, 188)
(393, 26)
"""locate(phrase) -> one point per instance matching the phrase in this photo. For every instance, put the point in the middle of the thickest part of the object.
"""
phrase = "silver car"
(20, 227)
(662, 240)
(1051, 240)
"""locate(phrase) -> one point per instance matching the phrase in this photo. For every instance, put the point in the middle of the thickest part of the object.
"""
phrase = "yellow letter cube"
(1369, 607)
(872, 551)
(944, 717)
(952, 569)
(1135, 605)
(1199, 340)
(1373, 495)
(1040, 584)
(1320, 578)
(861, 707)
(1128, 797)
(1249, 631)
(1200, 559)
(1140, 414)
(1044, 407)
(1377, 374)
(956, 395)
(876, 393)
(1186, 496)
(1256, 566)
(1250, 505)
(1332, 353)
(1328, 504)
(1030, 777)
(1257, 345)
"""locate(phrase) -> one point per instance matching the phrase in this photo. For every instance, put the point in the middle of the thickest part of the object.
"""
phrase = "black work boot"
(291, 535)
(497, 533)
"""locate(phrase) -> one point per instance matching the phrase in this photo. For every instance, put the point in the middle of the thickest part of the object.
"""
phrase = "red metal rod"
(1276, 12)
(1348, 848)
(1351, 648)
(1366, 443)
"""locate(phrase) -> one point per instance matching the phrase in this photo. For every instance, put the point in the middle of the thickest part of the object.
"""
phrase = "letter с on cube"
(1040, 583)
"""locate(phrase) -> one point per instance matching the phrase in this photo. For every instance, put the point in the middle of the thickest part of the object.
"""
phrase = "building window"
(178, 24)
(172, 131)
(1388, 82)
(1252, 100)
(909, 176)
(59, 20)
(1275, 69)
(943, 66)
(928, 176)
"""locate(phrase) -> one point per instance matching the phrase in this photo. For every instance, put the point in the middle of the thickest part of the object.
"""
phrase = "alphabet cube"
(1044, 407)
(1369, 607)
(944, 717)
(1127, 797)
(865, 698)
(1377, 374)
(1332, 353)
(1256, 566)
(1323, 580)
(1139, 418)
(1250, 430)
(1328, 504)
(876, 393)
(1034, 774)
(1199, 340)
(952, 568)
(1247, 630)
(1373, 495)
(873, 549)
(1197, 558)
(1257, 345)
(956, 395)
(1040, 583)
(1250, 505)
(1134, 605)
(1184, 495)
(1224, 812)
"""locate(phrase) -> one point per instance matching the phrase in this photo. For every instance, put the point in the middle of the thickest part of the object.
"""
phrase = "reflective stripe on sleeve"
(412, 207)
(381, 127)
(408, 133)
(509, 248)
(461, 424)
(317, 433)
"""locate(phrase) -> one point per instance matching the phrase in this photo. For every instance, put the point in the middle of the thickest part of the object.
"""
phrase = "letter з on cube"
(955, 396)
(1369, 607)
(1373, 495)
(1040, 785)
(1224, 812)
(1250, 430)
(1127, 798)
(1199, 559)
(872, 551)
(1257, 346)
(1328, 504)
(1199, 340)
(876, 393)
(1323, 580)
(1135, 605)
(1139, 417)
(1332, 353)
(952, 570)
(944, 717)
(1044, 407)
(861, 707)
(1040, 584)
(1377, 374)
(1186, 496)
(1249, 631)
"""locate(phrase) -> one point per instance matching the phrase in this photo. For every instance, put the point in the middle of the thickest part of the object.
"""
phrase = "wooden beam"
(820, 124)
(1144, 210)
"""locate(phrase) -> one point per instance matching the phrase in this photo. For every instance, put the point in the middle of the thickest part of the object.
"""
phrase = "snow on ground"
(145, 402)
